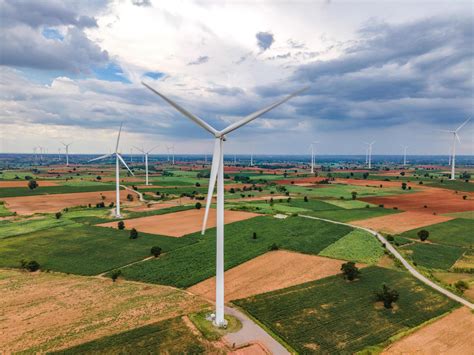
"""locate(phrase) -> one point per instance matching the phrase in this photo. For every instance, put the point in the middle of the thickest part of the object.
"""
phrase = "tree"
(197, 184)
(387, 296)
(129, 197)
(354, 195)
(121, 225)
(198, 205)
(350, 270)
(402, 173)
(115, 274)
(274, 246)
(31, 265)
(254, 236)
(58, 215)
(306, 199)
(32, 184)
(404, 185)
(232, 190)
(98, 177)
(461, 286)
(133, 234)
(155, 251)
(423, 234)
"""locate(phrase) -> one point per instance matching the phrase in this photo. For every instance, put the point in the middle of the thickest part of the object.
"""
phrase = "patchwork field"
(401, 222)
(59, 311)
(448, 335)
(433, 256)
(24, 183)
(268, 272)
(348, 215)
(332, 315)
(179, 223)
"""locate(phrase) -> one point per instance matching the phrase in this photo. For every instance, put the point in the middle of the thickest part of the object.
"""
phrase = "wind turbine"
(118, 159)
(453, 149)
(369, 154)
(251, 159)
(146, 161)
(405, 147)
(217, 174)
(312, 156)
(67, 152)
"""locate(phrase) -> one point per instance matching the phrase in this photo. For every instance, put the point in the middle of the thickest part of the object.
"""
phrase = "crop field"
(196, 262)
(465, 215)
(433, 256)
(10, 229)
(82, 249)
(347, 215)
(457, 185)
(60, 189)
(4, 211)
(332, 315)
(358, 245)
(349, 204)
(457, 232)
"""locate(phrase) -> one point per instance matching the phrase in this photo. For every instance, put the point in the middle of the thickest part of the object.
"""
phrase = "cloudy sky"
(386, 71)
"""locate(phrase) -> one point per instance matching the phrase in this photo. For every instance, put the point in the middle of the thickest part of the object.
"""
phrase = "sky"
(393, 72)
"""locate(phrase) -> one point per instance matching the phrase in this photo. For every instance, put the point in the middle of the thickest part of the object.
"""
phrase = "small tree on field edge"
(350, 271)
(306, 199)
(198, 205)
(32, 184)
(423, 234)
(133, 234)
(58, 215)
(254, 236)
(155, 251)
(121, 225)
(274, 246)
(461, 286)
(387, 296)
(115, 275)
(31, 265)
(354, 195)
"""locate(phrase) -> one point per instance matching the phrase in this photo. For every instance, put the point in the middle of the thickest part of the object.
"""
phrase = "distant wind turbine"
(369, 154)
(146, 160)
(217, 175)
(251, 159)
(453, 149)
(118, 159)
(67, 152)
(405, 147)
(312, 156)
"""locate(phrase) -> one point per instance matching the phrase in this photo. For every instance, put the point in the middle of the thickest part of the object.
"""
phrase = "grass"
(81, 249)
(458, 185)
(433, 256)
(210, 331)
(343, 215)
(350, 204)
(60, 189)
(456, 232)
(332, 315)
(11, 229)
(358, 245)
(4, 211)
(465, 215)
(196, 262)
(265, 208)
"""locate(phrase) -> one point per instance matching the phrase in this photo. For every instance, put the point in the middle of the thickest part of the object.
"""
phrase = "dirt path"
(140, 195)
(405, 263)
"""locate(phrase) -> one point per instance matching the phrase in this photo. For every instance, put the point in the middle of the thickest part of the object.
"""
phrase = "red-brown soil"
(24, 183)
(181, 223)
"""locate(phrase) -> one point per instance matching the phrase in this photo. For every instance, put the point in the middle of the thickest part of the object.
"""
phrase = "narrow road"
(405, 263)
(252, 333)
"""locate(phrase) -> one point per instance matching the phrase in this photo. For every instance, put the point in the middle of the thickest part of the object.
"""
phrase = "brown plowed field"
(181, 223)
(26, 205)
(51, 311)
(437, 200)
(271, 271)
(452, 334)
(297, 181)
(24, 183)
(375, 183)
(401, 222)
(166, 204)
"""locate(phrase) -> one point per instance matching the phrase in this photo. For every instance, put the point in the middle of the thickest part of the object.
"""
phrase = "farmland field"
(4, 211)
(433, 256)
(347, 215)
(332, 315)
(60, 189)
(196, 262)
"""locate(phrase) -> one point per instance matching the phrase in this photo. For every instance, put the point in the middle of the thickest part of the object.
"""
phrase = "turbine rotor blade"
(156, 146)
(186, 113)
(212, 181)
(461, 126)
(139, 149)
(259, 113)
(118, 138)
(125, 164)
(457, 136)
(101, 157)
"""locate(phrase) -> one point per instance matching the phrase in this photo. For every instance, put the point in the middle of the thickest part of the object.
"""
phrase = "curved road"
(405, 263)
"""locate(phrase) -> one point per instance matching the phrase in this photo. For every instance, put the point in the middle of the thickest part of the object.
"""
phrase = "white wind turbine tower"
(217, 174)
(67, 152)
(312, 156)
(118, 159)
(405, 147)
(251, 159)
(449, 155)
(146, 160)
(453, 147)
(369, 154)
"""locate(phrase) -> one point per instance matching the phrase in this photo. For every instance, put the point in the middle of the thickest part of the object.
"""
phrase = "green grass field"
(196, 262)
(465, 215)
(82, 249)
(350, 204)
(457, 232)
(433, 256)
(10, 228)
(458, 185)
(334, 316)
(343, 215)
(358, 245)
(4, 211)
(171, 336)
(60, 189)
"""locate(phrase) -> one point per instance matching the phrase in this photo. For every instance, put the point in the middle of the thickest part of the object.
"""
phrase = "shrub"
(58, 215)
(367, 206)
(197, 184)
(461, 286)
(32, 184)
(464, 197)
(350, 270)
(129, 197)
(111, 204)
(133, 233)
(155, 251)
(115, 275)
(423, 234)
(354, 195)
(198, 205)
(387, 296)
(254, 236)
(390, 238)
(381, 206)
(99, 178)
(404, 185)
(31, 265)
(305, 199)
(274, 246)
(232, 190)
(121, 225)
(100, 205)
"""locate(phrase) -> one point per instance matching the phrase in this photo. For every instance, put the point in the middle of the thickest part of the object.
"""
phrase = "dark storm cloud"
(200, 60)
(393, 73)
(264, 40)
(24, 43)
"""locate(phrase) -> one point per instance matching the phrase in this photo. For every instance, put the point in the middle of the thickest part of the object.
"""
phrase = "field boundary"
(405, 263)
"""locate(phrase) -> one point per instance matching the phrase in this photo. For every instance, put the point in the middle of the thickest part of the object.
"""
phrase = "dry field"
(252, 349)
(271, 271)
(181, 223)
(400, 222)
(375, 183)
(24, 183)
(43, 311)
(301, 181)
(436, 201)
(449, 335)
(26, 205)
(161, 205)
